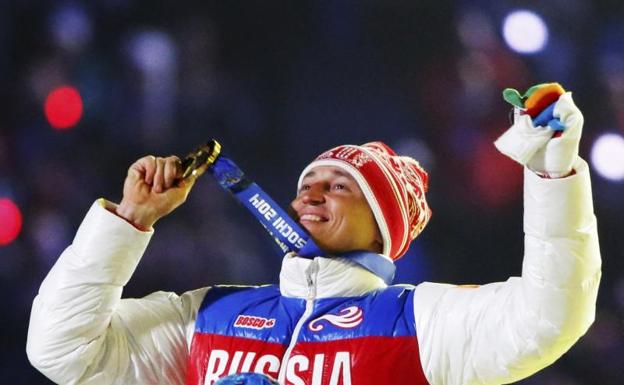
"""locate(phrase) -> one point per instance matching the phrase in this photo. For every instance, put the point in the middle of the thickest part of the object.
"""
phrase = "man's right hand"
(152, 189)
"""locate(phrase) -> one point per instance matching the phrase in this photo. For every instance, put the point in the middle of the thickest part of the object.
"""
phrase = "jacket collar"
(323, 277)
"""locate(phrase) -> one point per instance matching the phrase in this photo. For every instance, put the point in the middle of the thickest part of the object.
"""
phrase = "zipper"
(310, 275)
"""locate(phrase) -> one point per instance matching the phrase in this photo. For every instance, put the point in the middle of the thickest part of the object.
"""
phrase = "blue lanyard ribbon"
(287, 233)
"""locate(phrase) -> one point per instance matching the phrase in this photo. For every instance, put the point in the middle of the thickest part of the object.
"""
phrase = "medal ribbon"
(287, 233)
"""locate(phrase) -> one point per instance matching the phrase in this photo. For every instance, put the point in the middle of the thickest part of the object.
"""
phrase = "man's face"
(333, 209)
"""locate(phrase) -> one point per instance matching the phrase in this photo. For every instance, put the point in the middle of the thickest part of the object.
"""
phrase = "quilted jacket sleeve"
(503, 332)
(81, 332)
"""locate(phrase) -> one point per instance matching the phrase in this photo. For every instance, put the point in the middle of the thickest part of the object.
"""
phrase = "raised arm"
(503, 332)
(80, 331)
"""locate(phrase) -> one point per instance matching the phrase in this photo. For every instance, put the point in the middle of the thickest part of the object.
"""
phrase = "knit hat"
(394, 187)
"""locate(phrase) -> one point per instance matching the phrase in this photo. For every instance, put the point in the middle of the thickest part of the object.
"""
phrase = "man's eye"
(339, 186)
(304, 187)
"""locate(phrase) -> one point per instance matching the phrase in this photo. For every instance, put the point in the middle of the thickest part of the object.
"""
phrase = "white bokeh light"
(607, 156)
(525, 31)
(153, 51)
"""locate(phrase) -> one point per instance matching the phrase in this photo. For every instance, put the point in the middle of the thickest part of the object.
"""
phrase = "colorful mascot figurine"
(538, 102)
(546, 130)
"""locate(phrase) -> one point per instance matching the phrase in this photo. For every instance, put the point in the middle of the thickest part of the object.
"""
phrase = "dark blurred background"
(89, 87)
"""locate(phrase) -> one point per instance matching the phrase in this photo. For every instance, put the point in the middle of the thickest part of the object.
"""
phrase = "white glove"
(535, 147)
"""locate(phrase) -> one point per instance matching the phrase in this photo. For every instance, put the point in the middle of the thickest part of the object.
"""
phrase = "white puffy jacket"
(82, 332)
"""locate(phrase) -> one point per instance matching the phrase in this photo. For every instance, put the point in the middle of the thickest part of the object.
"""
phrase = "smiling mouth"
(311, 218)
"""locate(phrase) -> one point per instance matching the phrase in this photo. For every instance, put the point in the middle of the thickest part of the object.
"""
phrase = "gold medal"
(198, 161)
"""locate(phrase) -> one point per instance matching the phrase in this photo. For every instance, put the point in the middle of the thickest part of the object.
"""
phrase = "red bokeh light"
(497, 180)
(63, 107)
(10, 221)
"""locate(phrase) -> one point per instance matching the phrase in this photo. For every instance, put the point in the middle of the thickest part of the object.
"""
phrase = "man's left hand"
(536, 148)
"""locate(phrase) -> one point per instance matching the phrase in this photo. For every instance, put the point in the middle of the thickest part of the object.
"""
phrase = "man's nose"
(314, 195)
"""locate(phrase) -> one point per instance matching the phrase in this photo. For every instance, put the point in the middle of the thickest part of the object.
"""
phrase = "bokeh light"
(154, 55)
(607, 156)
(71, 27)
(63, 107)
(51, 232)
(153, 51)
(475, 30)
(10, 221)
(525, 31)
(496, 180)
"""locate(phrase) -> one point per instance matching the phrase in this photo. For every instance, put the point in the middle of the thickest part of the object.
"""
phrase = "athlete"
(331, 320)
